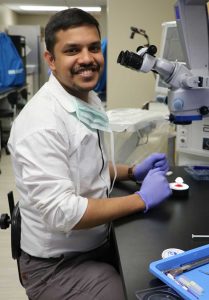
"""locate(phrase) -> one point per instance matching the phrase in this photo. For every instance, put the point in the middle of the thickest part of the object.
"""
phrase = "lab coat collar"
(66, 99)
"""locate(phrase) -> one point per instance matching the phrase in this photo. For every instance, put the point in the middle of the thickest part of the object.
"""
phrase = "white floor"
(10, 287)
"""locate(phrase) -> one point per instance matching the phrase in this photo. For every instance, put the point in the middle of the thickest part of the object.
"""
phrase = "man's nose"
(85, 56)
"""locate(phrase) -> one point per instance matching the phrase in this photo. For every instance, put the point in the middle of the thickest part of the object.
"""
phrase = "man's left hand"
(155, 160)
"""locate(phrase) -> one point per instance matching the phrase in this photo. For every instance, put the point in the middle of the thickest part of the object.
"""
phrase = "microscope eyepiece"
(130, 60)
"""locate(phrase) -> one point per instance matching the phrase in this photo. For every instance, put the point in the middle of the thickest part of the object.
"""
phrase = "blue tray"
(198, 172)
(158, 267)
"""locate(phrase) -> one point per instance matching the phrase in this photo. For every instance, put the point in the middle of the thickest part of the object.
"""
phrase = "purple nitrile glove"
(155, 160)
(155, 188)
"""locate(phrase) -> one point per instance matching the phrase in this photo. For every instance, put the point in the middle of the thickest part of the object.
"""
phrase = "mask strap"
(112, 153)
(77, 172)
(78, 154)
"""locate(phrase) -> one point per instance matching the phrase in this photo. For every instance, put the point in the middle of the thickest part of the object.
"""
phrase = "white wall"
(127, 88)
(7, 17)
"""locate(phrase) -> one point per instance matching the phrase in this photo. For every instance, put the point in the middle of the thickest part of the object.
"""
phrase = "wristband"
(130, 173)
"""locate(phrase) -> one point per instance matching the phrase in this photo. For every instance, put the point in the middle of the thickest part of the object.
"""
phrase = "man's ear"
(49, 59)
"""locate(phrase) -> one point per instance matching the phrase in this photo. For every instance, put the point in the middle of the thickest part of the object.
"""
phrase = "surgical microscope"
(188, 95)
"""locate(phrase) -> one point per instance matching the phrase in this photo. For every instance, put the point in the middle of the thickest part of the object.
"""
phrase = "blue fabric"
(101, 85)
(12, 71)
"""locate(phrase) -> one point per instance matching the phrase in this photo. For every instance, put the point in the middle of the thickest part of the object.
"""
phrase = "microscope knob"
(178, 104)
(204, 110)
(152, 50)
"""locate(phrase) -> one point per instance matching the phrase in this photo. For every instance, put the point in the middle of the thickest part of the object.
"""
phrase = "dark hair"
(69, 18)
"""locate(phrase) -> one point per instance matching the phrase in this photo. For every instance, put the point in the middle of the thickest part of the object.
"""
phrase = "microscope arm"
(173, 73)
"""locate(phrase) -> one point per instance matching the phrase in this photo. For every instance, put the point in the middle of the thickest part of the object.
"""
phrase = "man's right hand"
(155, 188)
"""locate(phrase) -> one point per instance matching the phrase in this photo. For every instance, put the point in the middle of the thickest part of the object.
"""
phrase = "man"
(63, 176)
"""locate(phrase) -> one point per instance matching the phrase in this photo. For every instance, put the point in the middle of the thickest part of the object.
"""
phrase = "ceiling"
(13, 4)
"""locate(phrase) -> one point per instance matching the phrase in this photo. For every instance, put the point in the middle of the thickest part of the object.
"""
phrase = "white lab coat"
(58, 164)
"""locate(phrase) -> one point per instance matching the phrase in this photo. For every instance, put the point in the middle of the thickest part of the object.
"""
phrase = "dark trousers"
(90, 276)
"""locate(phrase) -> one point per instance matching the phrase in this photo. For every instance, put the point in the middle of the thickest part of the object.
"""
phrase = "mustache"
(82, 68)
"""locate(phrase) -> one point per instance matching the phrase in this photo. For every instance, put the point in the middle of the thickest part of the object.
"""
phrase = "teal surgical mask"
(90, 116)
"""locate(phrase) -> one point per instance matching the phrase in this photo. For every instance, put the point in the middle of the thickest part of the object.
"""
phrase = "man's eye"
(71, 51)
(95, 49)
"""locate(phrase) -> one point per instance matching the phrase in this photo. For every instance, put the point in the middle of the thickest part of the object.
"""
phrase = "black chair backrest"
(15, 226)
(16, 232)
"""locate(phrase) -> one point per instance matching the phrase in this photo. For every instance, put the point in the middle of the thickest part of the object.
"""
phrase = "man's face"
(77, 61)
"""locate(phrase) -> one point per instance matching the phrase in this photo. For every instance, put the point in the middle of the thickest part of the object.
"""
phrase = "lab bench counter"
(141, 238)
